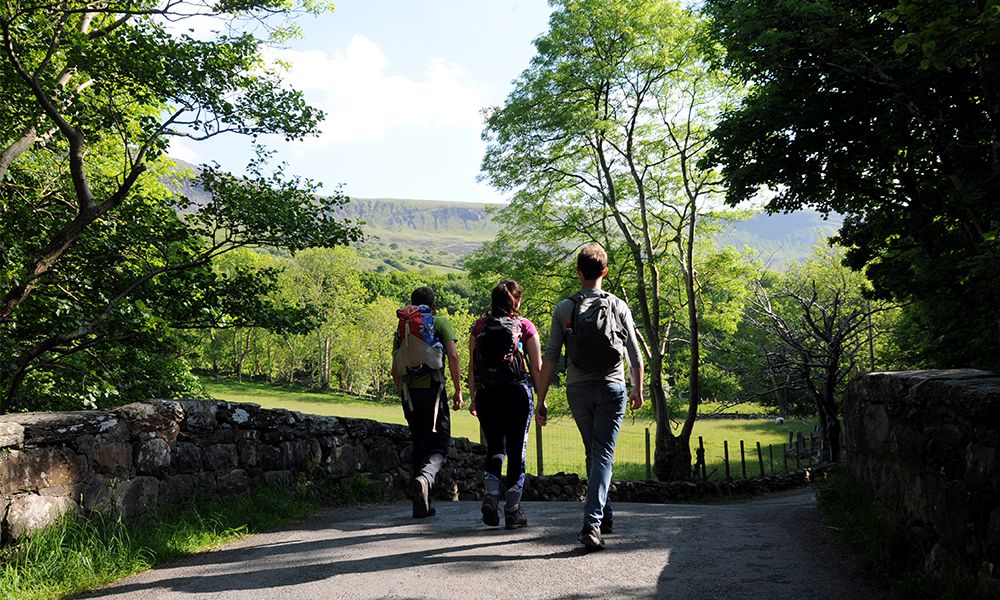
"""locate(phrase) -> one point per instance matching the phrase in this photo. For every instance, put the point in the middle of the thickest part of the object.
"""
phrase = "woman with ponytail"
(505, 357)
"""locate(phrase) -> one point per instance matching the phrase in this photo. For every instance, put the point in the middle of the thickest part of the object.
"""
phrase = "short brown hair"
(592, 261)
(422, 295)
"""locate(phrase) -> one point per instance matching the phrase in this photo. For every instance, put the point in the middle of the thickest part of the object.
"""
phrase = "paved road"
(767, 548)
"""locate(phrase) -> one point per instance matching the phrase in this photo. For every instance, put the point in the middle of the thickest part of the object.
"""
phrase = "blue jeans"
(598, 408)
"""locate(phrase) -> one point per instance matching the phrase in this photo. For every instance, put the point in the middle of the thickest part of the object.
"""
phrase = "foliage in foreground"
(887, 551)
(102, 267)
(82, 552)
(876, 110)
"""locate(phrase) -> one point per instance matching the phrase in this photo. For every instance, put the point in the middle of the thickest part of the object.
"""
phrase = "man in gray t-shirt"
(597, 397)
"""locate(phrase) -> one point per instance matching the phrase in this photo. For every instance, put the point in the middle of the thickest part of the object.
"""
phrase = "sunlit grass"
(82, 552)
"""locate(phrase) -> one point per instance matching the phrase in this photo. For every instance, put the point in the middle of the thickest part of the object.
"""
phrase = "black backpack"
(595, 340)
(499, 357)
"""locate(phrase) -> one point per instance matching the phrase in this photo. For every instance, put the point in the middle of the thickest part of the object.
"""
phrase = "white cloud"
(181, 151)
(361, 102)
(491, 195)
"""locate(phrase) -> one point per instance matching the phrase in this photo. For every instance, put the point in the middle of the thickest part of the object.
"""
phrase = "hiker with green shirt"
(422, 342)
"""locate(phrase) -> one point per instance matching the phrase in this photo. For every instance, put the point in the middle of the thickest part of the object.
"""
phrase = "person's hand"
(457, 401)
(472, 407)
(541, 413)
(635, 398)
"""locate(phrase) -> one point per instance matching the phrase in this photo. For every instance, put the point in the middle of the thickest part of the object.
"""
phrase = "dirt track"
(770, 548)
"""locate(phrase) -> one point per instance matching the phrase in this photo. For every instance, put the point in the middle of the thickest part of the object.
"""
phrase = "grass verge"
(86, 551)
(887, 551)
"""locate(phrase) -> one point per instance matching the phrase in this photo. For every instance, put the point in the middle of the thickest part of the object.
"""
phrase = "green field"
(562, 449)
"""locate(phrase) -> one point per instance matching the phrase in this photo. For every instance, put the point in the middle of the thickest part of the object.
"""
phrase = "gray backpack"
(595, 339)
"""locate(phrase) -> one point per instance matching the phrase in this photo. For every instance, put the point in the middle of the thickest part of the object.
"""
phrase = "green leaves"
(99, 275)
(878, 112)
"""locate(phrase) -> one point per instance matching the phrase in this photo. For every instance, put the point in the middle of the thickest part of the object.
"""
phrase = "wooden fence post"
(797, 452)
(701, 457)
(770, 450)
(725, 448)
(538, 448)
(784, 452)
(743, 459)
(760, 459)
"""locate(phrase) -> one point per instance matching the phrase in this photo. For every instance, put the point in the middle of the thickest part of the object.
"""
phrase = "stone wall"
(926, 443)
(137, 457)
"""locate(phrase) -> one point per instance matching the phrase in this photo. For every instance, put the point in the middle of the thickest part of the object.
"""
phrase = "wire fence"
(559, 448)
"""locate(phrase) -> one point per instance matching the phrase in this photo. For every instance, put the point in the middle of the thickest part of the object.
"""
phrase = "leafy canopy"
(887, 113)
(100, 273)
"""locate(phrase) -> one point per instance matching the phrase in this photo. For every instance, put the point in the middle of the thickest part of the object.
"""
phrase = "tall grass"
(85, 551)
(886, 549)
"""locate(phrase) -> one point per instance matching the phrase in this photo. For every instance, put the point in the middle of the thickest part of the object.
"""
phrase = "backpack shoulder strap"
(575, 298)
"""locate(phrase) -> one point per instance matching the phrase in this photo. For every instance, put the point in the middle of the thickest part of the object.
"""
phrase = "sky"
(402, 84)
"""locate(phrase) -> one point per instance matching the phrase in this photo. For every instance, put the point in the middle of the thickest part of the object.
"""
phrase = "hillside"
(408, 218)
(782, 238)
(416, 234)
(459, 228)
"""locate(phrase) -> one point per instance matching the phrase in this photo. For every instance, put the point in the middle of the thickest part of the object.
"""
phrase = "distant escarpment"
(461, 227)
(422, 216)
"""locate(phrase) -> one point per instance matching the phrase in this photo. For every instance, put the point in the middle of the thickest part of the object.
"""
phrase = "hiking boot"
(422, 498)
(515, 518)
(607, 524)
(491, 506)
(590, 537)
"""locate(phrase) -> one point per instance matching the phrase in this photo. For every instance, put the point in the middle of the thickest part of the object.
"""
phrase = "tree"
(822, 325)
(325, 279)
(598, 142)
(540, 266)
(366, 348)
(888, 113)
(98, 270)
(253, 308)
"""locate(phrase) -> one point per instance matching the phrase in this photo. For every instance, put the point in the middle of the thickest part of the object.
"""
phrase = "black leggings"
(505, 416)
(430, 429)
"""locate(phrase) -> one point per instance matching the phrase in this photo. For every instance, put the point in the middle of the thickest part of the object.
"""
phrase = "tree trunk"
(237, 356)
(829, 423)
(215, 353)
(694, 380)
(325, 350)
(671, 454)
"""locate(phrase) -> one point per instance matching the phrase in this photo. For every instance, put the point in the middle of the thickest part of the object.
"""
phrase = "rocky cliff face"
(438, 218)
